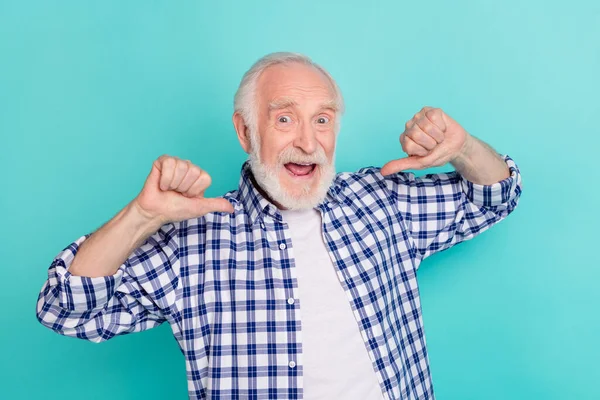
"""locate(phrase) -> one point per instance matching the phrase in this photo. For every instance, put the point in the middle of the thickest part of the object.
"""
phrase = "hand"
(431, 138)
(174, 191)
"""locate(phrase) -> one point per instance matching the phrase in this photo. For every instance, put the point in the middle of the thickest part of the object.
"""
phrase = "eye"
(322, 120)
(284, 119)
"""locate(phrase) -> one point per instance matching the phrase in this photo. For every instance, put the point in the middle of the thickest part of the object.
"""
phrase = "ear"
(243, 133)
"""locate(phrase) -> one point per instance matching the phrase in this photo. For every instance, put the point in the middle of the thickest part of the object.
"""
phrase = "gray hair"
(244, 100)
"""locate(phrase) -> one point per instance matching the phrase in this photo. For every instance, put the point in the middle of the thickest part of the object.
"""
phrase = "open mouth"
(300, 169)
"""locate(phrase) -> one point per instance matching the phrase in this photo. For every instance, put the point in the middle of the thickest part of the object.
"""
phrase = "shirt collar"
(256, 205)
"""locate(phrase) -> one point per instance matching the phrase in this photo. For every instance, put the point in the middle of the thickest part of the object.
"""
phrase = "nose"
(306, 139)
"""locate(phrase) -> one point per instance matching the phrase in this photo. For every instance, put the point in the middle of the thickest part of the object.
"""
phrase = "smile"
(300, 170)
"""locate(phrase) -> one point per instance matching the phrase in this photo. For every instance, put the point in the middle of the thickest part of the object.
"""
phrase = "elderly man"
(301, 283)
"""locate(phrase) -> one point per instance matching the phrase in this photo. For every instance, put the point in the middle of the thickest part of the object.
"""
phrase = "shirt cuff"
(496, 194)
(80, 293)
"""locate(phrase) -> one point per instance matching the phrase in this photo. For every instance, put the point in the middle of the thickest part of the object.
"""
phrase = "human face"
(292, 152)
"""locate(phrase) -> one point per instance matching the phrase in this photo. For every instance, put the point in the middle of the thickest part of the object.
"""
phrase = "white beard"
(268, 176)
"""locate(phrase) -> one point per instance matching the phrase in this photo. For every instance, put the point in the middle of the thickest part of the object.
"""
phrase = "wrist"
(464, 156)
(140, 222)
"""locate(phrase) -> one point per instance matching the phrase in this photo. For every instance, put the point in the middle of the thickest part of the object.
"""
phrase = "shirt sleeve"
(442, 210)
(139, 296)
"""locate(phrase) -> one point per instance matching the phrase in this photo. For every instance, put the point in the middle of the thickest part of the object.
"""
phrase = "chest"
(248, 274)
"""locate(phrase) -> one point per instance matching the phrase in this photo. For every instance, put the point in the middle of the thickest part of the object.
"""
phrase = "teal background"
(92, 92)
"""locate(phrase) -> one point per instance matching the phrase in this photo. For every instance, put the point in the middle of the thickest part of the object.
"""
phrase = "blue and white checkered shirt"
(225, 282)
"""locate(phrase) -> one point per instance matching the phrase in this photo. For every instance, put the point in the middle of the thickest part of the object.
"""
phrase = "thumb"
(401, 164)
(207, 205)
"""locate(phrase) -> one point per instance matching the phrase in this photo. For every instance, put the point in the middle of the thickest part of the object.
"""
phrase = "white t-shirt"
(336, 362)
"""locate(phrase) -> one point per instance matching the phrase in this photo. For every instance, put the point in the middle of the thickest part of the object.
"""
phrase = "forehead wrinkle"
(299, 89)
(285, 102)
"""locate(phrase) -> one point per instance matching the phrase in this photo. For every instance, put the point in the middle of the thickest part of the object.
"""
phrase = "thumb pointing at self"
(401, 164)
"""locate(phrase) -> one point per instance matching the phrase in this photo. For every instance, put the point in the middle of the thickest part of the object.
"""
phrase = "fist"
(430, 138)
(174, 191)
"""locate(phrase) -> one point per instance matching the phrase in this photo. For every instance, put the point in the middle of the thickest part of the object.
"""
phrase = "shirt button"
(292, 364)
(262, 225)
(282, 246)
(291, 300)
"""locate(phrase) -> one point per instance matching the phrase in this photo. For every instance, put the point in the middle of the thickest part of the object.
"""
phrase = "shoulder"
(362, 177)
(401, 184)
(213, 222)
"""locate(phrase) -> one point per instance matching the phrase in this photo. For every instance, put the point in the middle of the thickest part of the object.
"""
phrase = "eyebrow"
(285, 102)
(331, 104)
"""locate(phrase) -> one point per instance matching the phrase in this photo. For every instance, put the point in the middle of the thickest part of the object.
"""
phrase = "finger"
(421, 112)
(436, 116)
(162, 158)
(430, 129)
(421, 138)
(413, 149)
(181, 169)
(216, 204)
(159, 161)
(200, 185)
(411, 122)
(192, 174)
(166, 173)
(403, 142)
(401, 164)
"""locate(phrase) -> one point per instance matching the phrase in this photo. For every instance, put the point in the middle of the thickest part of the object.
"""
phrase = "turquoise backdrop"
(91, 92)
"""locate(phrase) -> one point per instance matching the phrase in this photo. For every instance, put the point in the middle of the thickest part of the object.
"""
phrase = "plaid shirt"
(227, 283)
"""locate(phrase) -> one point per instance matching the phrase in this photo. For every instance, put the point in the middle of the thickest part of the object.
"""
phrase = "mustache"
(293, 155)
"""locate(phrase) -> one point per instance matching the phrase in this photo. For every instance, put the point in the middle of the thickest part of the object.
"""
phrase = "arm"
(102, 253)
(118, 280)
(124, 277)
(441, 210)
(479, 163)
